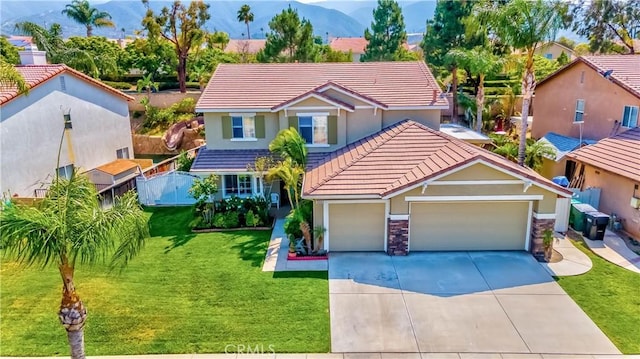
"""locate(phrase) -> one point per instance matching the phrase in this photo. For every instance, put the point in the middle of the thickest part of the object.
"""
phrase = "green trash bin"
(577, 216)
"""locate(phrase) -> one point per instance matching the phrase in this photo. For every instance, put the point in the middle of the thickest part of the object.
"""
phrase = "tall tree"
(180, 25)
(81, 12)
(218, 39)
(445, 32)
(387, 35)
(525, 24)
(604, 21)
(153, 56)
(68, 228)
(290, 39)
(479, 62)
(245, 15)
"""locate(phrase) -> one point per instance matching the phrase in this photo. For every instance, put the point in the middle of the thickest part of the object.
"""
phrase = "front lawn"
(610, 295)
(185, 293)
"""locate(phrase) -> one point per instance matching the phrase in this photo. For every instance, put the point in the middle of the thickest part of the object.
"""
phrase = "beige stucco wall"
(31, 127)
(213, 132)
(362, 123)
(555, 104)
(551, 168)
(555, 50)
(429, 118)
(399, 205)
(615, 196)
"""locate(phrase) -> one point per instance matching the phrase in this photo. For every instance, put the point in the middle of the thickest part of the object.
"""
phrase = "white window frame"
(246, 132)
(65, 171)
(313, 116)
(579, 111)
(628, 120)
(121, 152)
(250, 181)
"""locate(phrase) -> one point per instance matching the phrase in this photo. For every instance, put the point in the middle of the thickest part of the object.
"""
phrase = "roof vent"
(32, 56)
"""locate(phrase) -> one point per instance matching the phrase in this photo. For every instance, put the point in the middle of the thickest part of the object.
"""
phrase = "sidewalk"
(615, 250)
(574, 261)
(276, 258)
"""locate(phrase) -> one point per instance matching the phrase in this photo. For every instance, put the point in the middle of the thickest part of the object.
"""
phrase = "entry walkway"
(615, 250)
(276, 259)
(574, 261)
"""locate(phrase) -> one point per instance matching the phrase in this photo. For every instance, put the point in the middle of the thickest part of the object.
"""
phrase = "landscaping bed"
(184, 293)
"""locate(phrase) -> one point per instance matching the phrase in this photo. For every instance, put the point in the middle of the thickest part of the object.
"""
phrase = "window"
(67, 121)
(582, 77)
(243, 126)
(63, 84)
(579, 116)
(549, 56)
(123, 152)
(313, 128)
(65, 171)
(238, 185)
(630, 116)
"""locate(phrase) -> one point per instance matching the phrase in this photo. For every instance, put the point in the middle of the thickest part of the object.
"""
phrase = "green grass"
(185, 293)
(610, 295)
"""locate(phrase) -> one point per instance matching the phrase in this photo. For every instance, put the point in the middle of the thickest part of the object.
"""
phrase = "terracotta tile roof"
(118, 166)
(263, 86)
(345, 44)
(243, 45)
(626, 73)
(36, 75)
(619, 154)
(398, 157)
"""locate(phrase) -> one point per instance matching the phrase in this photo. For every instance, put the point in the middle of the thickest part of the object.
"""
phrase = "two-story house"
(381, 175)
(67, 120)
(592, 98)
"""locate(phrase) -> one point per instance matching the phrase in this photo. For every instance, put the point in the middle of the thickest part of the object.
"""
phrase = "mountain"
(128, 14)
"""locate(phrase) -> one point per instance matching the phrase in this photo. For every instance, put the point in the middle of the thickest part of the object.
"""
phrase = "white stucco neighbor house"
(66, 111)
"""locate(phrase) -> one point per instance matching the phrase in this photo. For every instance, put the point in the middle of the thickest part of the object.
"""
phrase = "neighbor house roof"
(402, 85)
(118, 166)
(562, 145)
(35, 75)
(625, 70)
(356, 45)
(245, 46)
(400, 156)
(464, 133)
(619, 154)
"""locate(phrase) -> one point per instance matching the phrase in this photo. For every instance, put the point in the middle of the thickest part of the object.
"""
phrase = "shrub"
(186, 105)
(231, 220)
(119, 85)
(251, 219)
(184, 162)
(219, 220)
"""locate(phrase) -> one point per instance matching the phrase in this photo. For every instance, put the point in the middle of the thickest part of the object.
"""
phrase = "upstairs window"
(122, 153)
(65, 171)
(579, 116)
(630, 116)
(243, 126)
(314, 129)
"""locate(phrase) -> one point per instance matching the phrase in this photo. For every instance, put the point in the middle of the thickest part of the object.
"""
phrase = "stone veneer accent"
(398, 237)
(538, 226)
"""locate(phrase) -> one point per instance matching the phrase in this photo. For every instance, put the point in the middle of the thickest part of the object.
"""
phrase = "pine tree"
(387, 34)
(289, 40)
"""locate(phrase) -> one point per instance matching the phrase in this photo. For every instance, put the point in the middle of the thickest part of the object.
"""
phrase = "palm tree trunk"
(89, 30)
(72, 312)
(528, 85)
(479, 103)
(454, 90)
(248, 33)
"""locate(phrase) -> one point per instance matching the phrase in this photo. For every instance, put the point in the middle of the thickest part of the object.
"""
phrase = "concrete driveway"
(495, 302)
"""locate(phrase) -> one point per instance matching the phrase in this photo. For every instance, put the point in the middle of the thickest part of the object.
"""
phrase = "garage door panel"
(468, 226)
(356, 227)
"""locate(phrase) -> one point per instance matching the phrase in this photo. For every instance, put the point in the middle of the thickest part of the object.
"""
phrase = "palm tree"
(524, 24)
(81, 12)
(68, 228)
(245, 15)
(291, 175)
(11, 78)
(146, 83)
(290, 146)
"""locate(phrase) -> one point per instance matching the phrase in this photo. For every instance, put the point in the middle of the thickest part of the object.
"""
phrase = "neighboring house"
(552, 50)
(592, 98)
(65, 112)
(356, 45)
(381, 175)
(556, 165)
(613, 164)
(245, 46)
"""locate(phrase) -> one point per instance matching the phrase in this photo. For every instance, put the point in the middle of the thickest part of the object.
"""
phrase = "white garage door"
(462, 226)
(356, 227)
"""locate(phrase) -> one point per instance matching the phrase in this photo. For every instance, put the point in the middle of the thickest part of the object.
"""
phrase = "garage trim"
(527, 240)
(512, 198)
(325, 216)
